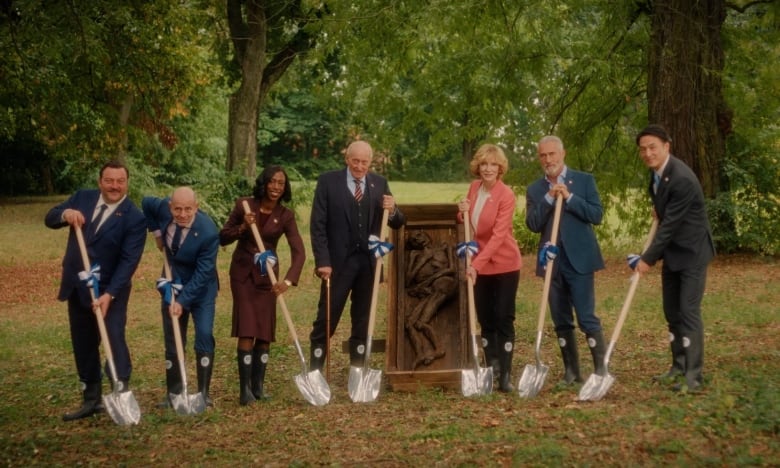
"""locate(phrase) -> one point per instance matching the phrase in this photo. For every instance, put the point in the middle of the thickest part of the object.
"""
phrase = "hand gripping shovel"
(182, 403)
(597, 386)
(311, 384)
(364, 382)
(533, 376)
(121, 406)
(479, 380)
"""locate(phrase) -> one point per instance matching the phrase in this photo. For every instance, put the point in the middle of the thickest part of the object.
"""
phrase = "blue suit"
(117, 247)
(579, 257)
(194, 266)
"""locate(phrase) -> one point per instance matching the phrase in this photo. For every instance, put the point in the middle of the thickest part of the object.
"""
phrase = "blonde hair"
(485, 153)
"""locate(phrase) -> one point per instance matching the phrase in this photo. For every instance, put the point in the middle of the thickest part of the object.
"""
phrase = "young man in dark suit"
(684, 242)
(114, 234)
(579, 256)
(348, 208)
(190, 240)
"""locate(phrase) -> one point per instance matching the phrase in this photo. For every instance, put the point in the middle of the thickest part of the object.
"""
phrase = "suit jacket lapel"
(113, 219)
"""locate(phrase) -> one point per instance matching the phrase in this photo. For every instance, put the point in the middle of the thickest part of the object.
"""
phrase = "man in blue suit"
(190, 240)
(579, 256)
(348, 208)
(114, 236)
(684, 242)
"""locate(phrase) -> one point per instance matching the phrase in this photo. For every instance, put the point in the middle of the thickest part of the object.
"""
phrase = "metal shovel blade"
(596, 387)
(532, 380)
(187, 404)
(313, 387)
(364, 384)
(122, 407)
(476, 381)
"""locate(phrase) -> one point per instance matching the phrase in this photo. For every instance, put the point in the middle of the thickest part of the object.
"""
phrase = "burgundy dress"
(254, 303)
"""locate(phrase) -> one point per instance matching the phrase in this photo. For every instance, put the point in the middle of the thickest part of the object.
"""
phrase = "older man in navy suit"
(114, 236)
(579, 256)
(348, 208)
(684, 242)
(190, 240)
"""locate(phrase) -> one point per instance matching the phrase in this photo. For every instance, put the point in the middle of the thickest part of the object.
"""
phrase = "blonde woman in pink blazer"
(495, 268)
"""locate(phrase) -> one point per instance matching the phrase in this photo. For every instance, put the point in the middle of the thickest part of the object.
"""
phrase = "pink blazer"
(498, 250)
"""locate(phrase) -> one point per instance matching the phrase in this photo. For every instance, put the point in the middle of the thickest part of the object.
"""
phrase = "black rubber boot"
(245, 377)
(505, 363)
(91, 403)
(598, 350)
(259, 363)
(490, 348)
(693, 344)
(173, 383)
(567, 341)
(357, 353)
(678, 359)
(317, 356)
(204, 368)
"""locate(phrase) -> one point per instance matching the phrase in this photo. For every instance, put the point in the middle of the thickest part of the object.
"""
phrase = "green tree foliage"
(90, 80)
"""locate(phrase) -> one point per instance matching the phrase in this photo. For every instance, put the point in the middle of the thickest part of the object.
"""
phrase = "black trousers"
(354, 280)
(85, 335)
(494, 297)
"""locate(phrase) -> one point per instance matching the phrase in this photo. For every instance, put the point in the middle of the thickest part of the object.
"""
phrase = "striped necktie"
(358, 191)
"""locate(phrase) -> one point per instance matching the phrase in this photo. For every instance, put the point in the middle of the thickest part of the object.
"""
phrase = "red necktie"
(358, 191)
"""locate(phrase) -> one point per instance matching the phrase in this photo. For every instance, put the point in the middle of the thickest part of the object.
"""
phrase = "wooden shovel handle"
(375, 291)
(470, 281)
(630, 295)
(175, 322)
(96, 308)
(549, 269)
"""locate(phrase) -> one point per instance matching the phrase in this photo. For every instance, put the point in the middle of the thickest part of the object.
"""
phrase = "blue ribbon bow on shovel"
(169, 289)
(263, 258)
(469, 248)
(633, 260)
(547, 253)
(378, 247)
(91, 278)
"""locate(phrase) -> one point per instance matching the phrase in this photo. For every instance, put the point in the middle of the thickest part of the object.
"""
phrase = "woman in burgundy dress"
(254, 297)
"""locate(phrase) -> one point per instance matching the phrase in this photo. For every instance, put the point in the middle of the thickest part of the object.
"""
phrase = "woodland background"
(205, 92)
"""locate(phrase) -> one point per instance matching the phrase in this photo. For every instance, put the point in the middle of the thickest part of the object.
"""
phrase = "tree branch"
(748, 5)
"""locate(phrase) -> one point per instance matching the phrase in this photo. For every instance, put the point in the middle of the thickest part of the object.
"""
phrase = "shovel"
(479, 380)
(364, 382)
(182, 403)
(311, 384)
(597, 386)
(533, 376)
(121, 406)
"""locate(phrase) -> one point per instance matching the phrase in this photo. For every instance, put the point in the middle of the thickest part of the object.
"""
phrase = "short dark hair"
(114, 165)
(656, 131)
(265, 177)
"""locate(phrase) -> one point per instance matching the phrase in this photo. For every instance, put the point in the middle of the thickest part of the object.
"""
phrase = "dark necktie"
(656, 181)
(97, 219)
(176, 239)
(358, 191)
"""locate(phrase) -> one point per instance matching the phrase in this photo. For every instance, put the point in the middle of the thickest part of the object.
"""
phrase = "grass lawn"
(734, 422)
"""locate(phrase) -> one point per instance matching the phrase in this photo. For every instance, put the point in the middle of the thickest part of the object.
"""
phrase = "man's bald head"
(183, 205)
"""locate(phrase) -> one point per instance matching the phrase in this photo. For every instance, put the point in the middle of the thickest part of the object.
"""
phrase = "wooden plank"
(377, 346)
(408, 381)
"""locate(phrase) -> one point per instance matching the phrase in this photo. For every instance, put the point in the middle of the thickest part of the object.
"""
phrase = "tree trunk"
(684, 83)
(249, 39)
(249, 30)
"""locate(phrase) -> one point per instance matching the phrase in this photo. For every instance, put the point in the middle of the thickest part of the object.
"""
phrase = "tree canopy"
(171, 86)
